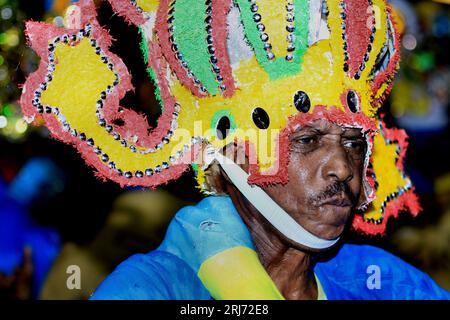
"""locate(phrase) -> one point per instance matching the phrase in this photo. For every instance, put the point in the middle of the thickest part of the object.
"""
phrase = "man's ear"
(235, 153)
(224, 175)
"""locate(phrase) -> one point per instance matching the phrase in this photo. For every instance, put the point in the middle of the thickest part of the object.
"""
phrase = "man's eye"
(354, 144)
(355, 148)
(306, 140)
(305, 143)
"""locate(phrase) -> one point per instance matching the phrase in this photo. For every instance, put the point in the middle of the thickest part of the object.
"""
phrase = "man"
(323, 190)
(274, 105)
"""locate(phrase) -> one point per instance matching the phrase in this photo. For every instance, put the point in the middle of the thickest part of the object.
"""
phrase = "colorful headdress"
(243, 71)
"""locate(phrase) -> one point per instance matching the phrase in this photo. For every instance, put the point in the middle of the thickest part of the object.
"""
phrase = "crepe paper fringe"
(158, 64)
(39, 35)
(408, 201)
(150, 71)
(143, 45)
(387, 76)
(277, 67)
(357, 26)
(127, 10)
(190, 37)
(378, 102)
(302, 17)
(88, 11)
(400, 137)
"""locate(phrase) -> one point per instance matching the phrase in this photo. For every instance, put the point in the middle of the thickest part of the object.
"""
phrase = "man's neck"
(290, 268)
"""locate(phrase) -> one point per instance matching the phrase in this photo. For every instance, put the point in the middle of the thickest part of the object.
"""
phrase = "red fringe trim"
(128, 11)
(388, 74)
(277, 173)
(356, 21)
(39, 35)
(400, 137)
(407, 201)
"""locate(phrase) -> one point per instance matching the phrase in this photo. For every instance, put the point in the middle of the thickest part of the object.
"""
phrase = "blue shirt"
(213, 225)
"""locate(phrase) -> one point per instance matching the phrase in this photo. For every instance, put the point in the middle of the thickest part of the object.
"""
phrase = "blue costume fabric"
(17, 229)
(213, 225)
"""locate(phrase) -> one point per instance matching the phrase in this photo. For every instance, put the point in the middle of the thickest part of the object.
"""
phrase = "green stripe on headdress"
(190, 37)
(279, 66)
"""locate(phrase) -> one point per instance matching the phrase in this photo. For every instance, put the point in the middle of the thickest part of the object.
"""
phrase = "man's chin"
(325, 232)
(328, 232)
(330, 222)
(304, 248)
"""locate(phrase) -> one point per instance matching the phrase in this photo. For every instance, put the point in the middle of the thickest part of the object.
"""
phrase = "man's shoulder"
(369, 272)
(170, 272)
(198, 232)
(156, 275)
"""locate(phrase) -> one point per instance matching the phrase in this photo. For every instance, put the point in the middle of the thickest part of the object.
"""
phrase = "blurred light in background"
(58, 21)
(409, 42)
(6, 13)
(21, 126)
(3, 122)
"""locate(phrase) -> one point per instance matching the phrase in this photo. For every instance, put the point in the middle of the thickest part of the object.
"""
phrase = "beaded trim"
(395, 194)
(139, 9)
(390, 197)
(179, 55)
(211, 50)
(344, 35)
(362, 65)
(261, 28)
(72, 39)
(290, 28)
(386, 53)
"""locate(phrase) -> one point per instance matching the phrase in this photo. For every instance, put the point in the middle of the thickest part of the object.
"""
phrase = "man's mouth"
(338, 195)
(338, 202)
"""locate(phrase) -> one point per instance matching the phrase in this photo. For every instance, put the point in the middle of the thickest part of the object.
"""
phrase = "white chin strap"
(279, 218)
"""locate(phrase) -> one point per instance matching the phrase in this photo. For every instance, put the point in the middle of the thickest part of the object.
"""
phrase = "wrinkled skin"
(325, 186)
(324, 178)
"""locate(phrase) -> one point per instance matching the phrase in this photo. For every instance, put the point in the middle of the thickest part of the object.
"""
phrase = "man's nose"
(337, 166)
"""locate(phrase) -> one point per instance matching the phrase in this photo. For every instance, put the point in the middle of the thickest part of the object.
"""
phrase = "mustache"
(333, 190)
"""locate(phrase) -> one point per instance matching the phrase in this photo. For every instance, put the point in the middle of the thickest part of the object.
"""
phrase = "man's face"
(325, 174)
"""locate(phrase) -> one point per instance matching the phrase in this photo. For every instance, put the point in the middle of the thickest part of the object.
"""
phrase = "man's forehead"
(324, 126)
